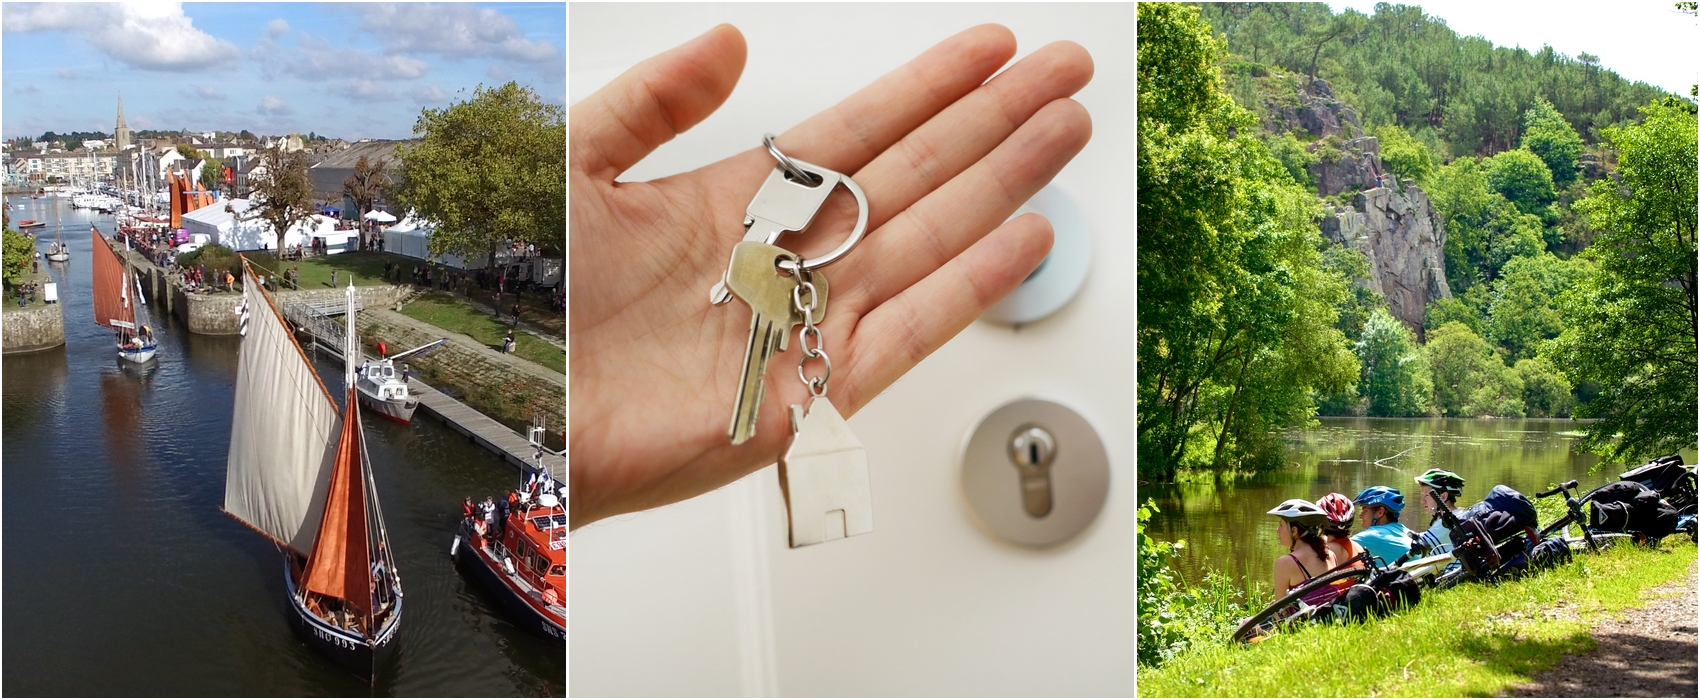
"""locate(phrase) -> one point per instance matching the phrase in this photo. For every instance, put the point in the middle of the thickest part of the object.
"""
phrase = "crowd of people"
(1324, 528)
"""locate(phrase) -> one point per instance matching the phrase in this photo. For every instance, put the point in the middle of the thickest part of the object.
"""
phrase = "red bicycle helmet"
(1338, 507)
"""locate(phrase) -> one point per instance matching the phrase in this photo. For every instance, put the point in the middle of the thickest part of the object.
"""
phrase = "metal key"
(781, 205)
(754, 278)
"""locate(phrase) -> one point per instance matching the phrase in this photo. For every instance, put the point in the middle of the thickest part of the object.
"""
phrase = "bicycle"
(1592, 539)
(1291, 609)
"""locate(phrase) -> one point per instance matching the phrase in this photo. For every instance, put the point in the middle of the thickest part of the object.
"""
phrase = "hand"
(944, 157)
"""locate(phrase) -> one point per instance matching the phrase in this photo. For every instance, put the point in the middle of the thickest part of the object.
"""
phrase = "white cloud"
(65, 74)
(318, 60)
(208, 92)
(427, 94)
(498, 73)
(361, 89)
(276, 28)
(152, 36)
(455, 30)
(272, 106)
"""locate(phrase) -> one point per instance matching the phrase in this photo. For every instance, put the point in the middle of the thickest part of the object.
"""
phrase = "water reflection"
(1226, 525)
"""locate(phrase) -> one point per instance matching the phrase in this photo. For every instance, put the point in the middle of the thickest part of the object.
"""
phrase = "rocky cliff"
(1390, 221)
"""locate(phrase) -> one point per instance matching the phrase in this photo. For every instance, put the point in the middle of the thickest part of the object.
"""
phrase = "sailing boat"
(298, 472)
(112, 308)
(57, 252)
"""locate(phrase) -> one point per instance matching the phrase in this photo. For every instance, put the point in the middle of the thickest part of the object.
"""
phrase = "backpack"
(1628, 506)
(1397, 589)
(1518, 512)
(1389, 591)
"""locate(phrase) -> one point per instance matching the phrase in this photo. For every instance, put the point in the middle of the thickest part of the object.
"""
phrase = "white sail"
(283, 434)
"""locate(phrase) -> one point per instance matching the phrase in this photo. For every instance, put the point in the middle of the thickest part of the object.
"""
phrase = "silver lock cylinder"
(1035, 472)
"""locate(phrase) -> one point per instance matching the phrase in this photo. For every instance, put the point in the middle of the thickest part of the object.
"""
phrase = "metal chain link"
(817, 350)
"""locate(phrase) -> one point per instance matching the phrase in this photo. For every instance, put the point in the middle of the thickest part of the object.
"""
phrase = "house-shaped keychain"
(823, 474)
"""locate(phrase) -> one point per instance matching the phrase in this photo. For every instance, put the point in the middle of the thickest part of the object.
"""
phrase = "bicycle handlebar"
(1566, 486)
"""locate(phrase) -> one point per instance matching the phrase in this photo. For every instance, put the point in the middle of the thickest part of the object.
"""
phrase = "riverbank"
(35, 326)
(1473, 640)
(1648, 652)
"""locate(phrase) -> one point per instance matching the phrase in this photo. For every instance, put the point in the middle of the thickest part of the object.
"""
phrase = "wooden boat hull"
(348, 650)
(526, 611)
(31, 224)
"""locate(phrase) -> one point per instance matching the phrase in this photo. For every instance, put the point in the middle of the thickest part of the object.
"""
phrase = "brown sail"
(111, 294)
(339, 566)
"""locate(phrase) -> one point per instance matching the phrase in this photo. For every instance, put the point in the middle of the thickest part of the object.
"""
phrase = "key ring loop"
(785, 162)
(856, 233)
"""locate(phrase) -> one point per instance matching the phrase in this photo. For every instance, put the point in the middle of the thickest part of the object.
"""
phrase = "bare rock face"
(1397, 229)
(1355, 165)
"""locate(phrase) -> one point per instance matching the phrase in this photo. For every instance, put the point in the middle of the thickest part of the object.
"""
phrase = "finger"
(943, 224)
(966, 131)
(892, 339)
(854, 131)
(654, 101)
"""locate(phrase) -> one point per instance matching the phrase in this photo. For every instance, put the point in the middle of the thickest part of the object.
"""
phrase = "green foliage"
(18, 250)
(1522, 177)
(1522, 312)
(1631, 320)
(1405, 67)
(1483, 228)
(1350, 263)
(1395, 380)
(1236, 314)
(190, 152)
(218, 260)
(1546, 391)
(212, 174)
(1454, 309)
(1404, 155)
(1548, 135)
(1294, 156)
(1170, 615)
(1469, 378)
(283, 192)
(488, 169)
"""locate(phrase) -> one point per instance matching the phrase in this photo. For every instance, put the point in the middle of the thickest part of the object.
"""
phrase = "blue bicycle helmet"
(1389, 498)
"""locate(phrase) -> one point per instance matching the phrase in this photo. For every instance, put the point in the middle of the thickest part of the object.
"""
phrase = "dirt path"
(1647, 652)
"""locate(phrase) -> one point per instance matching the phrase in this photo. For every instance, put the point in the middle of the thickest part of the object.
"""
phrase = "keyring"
(785, 162)
(798, 169)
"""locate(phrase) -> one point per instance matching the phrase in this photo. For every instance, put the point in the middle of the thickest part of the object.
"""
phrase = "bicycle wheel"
(1605, 540)
(1251, 624)
(1427, 569)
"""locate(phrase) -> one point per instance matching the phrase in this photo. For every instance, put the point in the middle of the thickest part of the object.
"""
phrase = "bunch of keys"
(823, 471)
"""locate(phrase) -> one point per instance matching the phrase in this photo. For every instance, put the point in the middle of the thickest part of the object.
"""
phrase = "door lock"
(1032, 449)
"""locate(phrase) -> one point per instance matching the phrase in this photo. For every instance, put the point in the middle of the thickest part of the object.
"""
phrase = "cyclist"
(1382, 534)
(1302, 522)
(1338, 531)
(1437, 539)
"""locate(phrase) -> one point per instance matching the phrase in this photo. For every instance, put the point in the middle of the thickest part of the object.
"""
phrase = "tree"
(247, 136)
(1546, 391)
(1523, 179)
(190, 152)
(212, 174)
(1522, 313)
(1236, 319)
(1631, 320)
(282, 190)
(1394, 378)
(1484, 230)
(489, 169)
(1548, 135)
(1469, 378)
(1404, 155)
(18, 250)
(366, 184)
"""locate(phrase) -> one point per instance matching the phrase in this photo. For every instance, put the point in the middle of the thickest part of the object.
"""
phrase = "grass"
(450, 313)
(367, 268)
(1470, 641)
(10, 299)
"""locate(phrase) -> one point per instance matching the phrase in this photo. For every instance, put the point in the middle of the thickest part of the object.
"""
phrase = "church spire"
(121, 133)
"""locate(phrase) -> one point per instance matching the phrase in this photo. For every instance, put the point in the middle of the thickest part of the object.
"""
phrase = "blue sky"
(361, 70)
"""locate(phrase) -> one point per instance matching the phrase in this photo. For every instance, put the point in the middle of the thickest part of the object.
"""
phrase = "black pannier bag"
(1518, 512)
(1628, 506)
(1502, 518)
(1397, 590)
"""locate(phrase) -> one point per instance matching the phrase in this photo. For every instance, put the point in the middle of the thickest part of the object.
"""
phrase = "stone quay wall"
(33, 329)
(472, 373)
(215, 314)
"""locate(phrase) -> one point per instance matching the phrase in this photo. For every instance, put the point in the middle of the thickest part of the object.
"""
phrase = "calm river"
(1226, 526)
(122, 577)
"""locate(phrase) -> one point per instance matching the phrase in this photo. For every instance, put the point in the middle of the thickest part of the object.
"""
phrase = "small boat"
(382, 389)
(298, 472)
(27, 223)
(522, 559)
(57, 252)
(117, 307)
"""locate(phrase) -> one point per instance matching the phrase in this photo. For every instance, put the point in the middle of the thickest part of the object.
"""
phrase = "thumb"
(656, 100)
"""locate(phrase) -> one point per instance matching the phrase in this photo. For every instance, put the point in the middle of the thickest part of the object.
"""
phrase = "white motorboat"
(385, 390)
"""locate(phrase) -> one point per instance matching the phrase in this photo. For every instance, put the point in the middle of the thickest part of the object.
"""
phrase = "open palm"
(944, 155)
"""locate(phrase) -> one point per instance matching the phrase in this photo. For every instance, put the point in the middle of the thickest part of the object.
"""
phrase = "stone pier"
(32, 329)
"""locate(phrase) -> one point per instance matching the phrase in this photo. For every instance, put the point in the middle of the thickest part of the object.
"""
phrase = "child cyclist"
(1338, 531)
(1378, 512)
(1307, 555)
(1437, 539)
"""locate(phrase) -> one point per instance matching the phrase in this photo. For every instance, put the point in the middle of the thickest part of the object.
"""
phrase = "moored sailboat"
(298, 472)
(117, 307)
(57, 252)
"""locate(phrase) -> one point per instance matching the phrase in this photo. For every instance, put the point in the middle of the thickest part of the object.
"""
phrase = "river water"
(1226, 525)
(122, 576)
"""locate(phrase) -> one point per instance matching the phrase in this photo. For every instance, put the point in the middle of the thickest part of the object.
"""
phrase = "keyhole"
(1032, 450)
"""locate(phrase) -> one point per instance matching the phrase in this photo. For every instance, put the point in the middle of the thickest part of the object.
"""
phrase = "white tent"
(382, 217)
(412, 238)
(237, 229)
